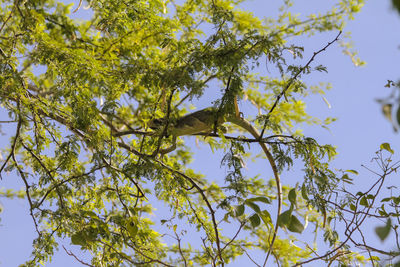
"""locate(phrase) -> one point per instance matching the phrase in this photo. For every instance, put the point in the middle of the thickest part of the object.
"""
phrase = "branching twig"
(17, 132)
(47, 171)
(70, 253)
(234, 237)
(291, 81)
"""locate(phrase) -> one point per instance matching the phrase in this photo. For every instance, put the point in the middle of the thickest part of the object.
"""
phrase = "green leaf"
(383, 231)
(346, 178)
(78, 239)
(239, 210)
(364, 202)
(386, 146)
(266, 217)
(292, 196)
(304, 192)
(226, 217)
(255, 220)
(352, 207)
(382, 211)
(260, 199)
(295, 225)
(284, 218)
(252, 205)
(91, 233)
(321, 68)
(352, 171)
(91, 214)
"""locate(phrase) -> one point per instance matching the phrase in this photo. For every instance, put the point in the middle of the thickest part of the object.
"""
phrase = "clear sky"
(359, 131)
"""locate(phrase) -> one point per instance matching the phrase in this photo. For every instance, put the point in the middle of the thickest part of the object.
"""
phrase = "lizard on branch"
(207, 120)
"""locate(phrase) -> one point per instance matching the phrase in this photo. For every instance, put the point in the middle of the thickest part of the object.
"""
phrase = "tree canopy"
(83, 96)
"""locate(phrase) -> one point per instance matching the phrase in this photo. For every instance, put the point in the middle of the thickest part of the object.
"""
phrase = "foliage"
(81, 94)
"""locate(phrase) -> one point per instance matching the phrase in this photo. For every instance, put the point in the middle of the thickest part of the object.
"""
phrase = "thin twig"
(70, 253)
(294, 78)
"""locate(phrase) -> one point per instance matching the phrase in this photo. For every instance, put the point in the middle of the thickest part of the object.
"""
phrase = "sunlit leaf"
(266, 217)
(386, 146)
(352, 171)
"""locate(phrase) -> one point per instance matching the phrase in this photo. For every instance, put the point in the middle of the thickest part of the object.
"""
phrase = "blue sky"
(357, 133)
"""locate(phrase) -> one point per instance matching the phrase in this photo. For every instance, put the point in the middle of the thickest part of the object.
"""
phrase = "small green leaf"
(260, 199)
(386, 146)
(321, 68)
(352, 171)
(382, 211)
(292, 196)
(239, 210)
(266, 217)
(346, 178)
(383, 231)
(359, 193)
(352, 207)
(295, 225)
(364, 202)
(304, 192)
(255, 220)
(226, 217)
